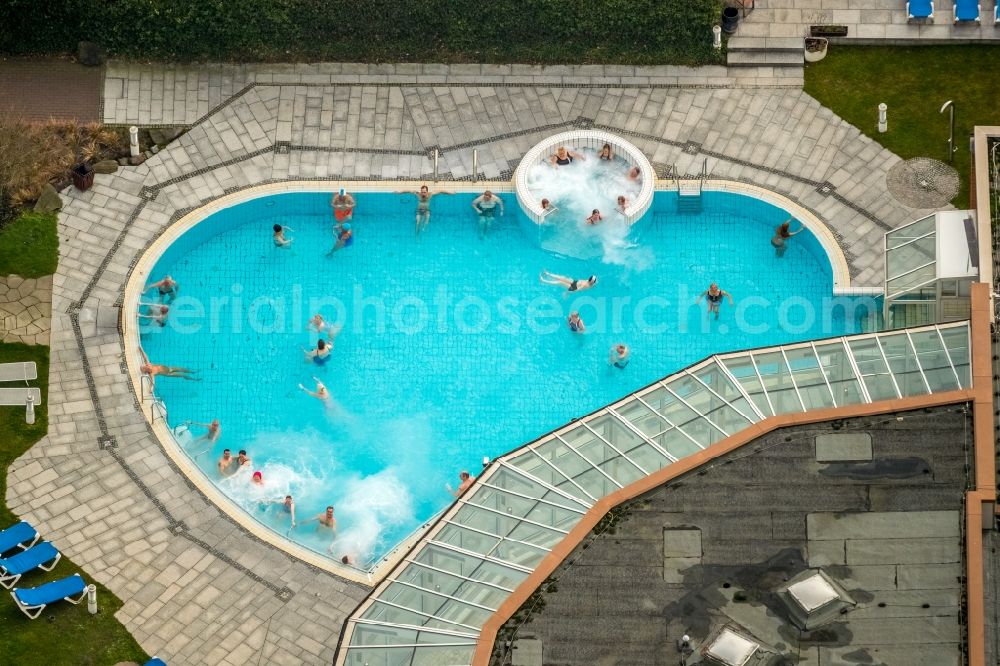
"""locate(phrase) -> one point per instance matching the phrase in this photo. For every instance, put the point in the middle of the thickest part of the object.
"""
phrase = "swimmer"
(575, 323)
(570, 284)
(565, 157)
(157, 313)
(485, 207)
(619, 356)
(279, 236)
(347, 559)
(324, 520)
(622, 204)
(595, 217)
(465, 482)
(257, 479)
(320, 393)
(345, 237)
(343, 205)
(714, 297)
(318, 324)
(606, 153)
(321, 354)
(635, 173)
(225, 463)
(287, 506)
(242, 459)
(153, 370)
(424, 196)
(167, 289)
(213, 432)
(781, 234)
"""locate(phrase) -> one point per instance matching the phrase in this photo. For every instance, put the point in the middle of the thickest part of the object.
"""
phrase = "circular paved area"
(199, 590)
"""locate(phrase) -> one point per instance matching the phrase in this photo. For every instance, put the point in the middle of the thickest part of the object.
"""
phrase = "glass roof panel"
(742, 368)
(934, 361)
(903, 363)
(837, 366)
(874, 371)
(956, 339)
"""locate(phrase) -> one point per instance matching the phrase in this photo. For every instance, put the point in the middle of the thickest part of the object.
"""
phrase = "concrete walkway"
(196, 588)
(25, 308)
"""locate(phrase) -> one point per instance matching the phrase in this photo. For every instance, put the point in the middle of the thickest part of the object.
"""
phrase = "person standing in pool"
(424, 196)
(595, 217)
(243, 460)
(565, 157)
(321, 354)
(575, 323)
(485, 206)
(714, 296)
(622, 204)
(619, 356)
(571, 284)
(226, 463)
(287, 506)
(157, 313)
(782, 234)
(279, 236)
(167, 289)
(465, 482)
(214, 431)
(325, 520)
(345, 237)
(343, 206)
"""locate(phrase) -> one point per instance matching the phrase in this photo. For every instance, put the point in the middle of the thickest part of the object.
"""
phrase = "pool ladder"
(689, 190)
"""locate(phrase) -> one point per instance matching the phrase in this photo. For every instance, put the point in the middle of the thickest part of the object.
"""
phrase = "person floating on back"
(571, 284)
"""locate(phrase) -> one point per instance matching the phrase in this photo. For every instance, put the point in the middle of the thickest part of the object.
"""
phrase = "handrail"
(704, 176)
(743, 4)
(145, 386)
(672, 173)
(157, 405)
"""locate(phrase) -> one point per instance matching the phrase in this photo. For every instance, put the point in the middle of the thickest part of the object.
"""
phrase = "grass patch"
(72, 635)
(29, 246)
(914, 81)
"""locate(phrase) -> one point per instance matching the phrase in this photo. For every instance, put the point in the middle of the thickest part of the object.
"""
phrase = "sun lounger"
(32, 601)
(18, 372)
(44, 556)
(18, 397)
(920, 9)
(20, 535)
(966, 10)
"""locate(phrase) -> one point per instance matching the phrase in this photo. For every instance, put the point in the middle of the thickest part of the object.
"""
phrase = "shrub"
(634, 31)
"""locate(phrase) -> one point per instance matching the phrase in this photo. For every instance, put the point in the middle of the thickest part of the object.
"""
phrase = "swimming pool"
(451, 350)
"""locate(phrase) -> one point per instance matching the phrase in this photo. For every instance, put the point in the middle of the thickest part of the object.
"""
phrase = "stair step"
(765, 58)
(777, 44)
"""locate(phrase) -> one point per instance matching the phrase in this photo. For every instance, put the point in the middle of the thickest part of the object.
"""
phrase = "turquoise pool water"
(450, 349)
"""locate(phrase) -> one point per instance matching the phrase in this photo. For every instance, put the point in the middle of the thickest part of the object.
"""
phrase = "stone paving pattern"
(875, 21)
(25, 309)
(196, 588)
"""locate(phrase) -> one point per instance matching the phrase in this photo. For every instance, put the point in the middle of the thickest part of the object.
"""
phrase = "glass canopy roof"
(430, 609)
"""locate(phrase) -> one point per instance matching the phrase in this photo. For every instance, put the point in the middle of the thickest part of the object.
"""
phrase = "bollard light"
(883, 123)
(92, 599)
(29, 410)
(717, 36)
(133, 140)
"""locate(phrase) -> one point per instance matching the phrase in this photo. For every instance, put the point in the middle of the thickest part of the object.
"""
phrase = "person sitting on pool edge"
(279, 236)
(714, 297)
(571, 284)
(565, 157)
(343, 206)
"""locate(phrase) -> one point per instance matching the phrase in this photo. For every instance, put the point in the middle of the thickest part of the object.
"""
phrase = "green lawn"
(29, 246)
(914, 82)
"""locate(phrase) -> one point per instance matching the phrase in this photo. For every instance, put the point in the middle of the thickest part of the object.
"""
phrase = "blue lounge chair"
(16, 536)
(155, 661)
(44, 556)
(32, 601)
(918, 10)
(966, 10)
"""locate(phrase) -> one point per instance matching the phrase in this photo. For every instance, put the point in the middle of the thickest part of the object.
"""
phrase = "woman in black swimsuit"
(565, 157)
(606, 153)
(714, 297)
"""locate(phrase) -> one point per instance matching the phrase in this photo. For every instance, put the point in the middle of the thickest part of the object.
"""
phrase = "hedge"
(539, 31)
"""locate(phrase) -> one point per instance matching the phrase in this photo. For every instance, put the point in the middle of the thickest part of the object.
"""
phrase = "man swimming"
(571, 284)
(424, 196)
(320, 393)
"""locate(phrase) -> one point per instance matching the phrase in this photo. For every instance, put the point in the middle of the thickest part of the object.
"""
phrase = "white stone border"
(594, 139)
(140, 276)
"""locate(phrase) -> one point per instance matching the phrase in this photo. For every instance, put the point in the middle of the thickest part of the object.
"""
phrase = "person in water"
(226, 463)
(279, 236)
(167, 289)
(571, 284)
(318, 324)
(565, 157)
(153, 370)
(325, 520)
(242, 459)
(320, 393)
(714, 296)
(606, 153)
(212, 433)
(343, 206)
(465, 482)
(157, 313)
(782, 234)
(286, 506)
(622, 204)
(345, 237)
(257, 479)
(575, 323)
(321, 354)
(424, 196)
(635, 173)
(485, 206)
(595, 217)
(619, 356)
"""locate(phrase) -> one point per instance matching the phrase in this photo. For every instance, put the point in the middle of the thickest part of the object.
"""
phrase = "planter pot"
(83, 176)
(815, 49)
(730, 20)
(828, 31)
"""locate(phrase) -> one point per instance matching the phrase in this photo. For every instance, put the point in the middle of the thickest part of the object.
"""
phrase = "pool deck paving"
(197, 588)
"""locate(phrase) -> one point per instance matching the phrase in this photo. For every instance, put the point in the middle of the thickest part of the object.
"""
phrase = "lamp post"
(950, 106)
